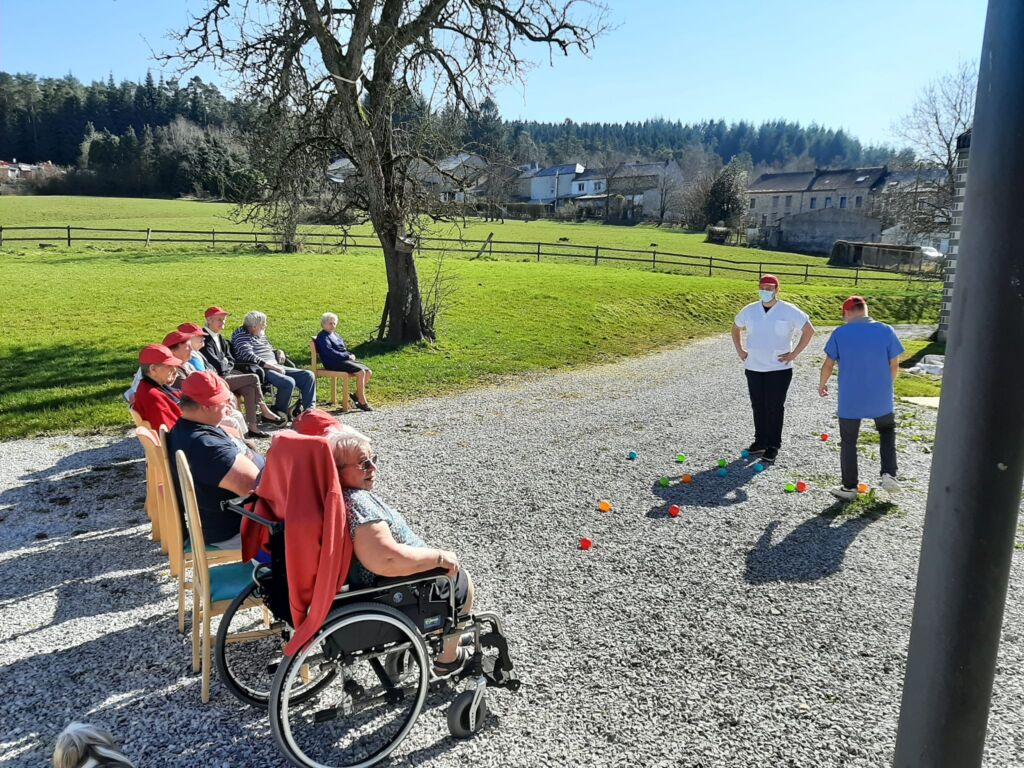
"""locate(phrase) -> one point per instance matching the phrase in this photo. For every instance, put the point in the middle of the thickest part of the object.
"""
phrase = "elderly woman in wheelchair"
(346, 676)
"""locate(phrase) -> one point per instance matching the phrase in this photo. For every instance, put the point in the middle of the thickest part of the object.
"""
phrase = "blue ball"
(723, 472)
(745, 453)
(759, 467)
(632, 455)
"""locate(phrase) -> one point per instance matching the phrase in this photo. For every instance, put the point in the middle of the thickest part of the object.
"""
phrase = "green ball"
(723, 463)
(790, 487)
(680, 458)
(663, 481)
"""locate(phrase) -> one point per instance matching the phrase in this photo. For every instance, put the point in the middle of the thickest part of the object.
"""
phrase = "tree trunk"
(404, 311)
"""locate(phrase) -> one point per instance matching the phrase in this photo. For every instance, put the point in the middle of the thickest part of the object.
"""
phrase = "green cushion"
(209, 547)
(226, 581)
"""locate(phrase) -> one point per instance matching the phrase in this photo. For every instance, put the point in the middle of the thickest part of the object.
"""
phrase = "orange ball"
(673, 511)
(687, 479)
(586, 543)
(862, 488)
(604, 505)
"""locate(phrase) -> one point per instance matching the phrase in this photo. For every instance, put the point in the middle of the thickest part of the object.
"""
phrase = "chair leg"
(344, 394)
(195, 631)
(181, 602)
(206, 657)
(334, 391)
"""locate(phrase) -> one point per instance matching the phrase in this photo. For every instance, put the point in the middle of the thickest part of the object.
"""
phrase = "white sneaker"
(889, 484)
(844, 494)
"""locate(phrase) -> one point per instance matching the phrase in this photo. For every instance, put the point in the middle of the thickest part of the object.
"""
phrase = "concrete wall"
(772, 205)
(816, 231)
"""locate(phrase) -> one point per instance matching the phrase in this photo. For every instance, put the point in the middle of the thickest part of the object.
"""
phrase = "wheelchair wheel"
(365, 711)
(249, 648)
(463, 721)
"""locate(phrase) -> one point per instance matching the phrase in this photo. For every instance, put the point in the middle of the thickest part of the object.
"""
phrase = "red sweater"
(300, 486)
(156, 406)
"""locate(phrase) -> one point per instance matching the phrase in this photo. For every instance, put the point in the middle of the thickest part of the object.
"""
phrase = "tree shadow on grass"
(708, 488)
(813, 550)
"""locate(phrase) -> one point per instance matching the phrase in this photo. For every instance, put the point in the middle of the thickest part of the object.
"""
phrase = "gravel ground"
(758, 628)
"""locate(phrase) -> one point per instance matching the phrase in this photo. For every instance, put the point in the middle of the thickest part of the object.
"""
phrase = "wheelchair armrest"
(237, 506)
(433, 573)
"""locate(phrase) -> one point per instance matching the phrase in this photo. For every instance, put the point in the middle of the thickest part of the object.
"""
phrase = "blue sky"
(855, 64)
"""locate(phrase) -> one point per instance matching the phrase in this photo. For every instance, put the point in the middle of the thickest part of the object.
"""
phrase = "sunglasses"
(366, 464)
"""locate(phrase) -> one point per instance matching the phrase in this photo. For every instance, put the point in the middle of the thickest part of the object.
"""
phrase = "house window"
(753, 202)
(814, 203)
(789, 201)
(858, 201)
(828, 202)
(764, 219)
(579, 187)
(775, 202)
(842, 202)
(598, 186)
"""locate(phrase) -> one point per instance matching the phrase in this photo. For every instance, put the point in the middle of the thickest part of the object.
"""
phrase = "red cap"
(854, 302)
(195, 330)
(212, 311)
(157, 354)
(769, 279)
(174, 338)
(206, 388)
(315, 423)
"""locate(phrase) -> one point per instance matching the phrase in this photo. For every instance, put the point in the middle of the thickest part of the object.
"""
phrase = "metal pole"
(978, 463)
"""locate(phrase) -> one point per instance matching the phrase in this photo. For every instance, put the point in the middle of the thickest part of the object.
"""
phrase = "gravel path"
(752, 630)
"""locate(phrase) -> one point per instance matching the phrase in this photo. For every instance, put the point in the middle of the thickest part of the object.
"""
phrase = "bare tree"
(353, 72)
(670, 191)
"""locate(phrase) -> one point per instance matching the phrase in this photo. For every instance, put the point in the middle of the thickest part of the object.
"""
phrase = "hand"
(275, 367)
(449, 561)
(788, 357)
(823, 390)
(742, 353)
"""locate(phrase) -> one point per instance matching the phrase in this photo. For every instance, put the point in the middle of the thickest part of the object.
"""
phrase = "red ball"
(586, 543)
(824, 436)
(673, 511)
(801, 487)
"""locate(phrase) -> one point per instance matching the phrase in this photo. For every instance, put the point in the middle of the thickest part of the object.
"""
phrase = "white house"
(554, 184)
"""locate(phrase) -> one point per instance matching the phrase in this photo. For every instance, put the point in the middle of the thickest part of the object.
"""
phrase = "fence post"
(760, 269)
(1, 235)
(490, 246)
(213, 237)
(654, 260)
(807, 268)
(538, 253)
(856, 276)
(69, 235)
(149, 234)
(711, 264)
(597, 254)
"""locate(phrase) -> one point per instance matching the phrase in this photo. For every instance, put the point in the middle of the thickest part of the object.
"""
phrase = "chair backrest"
(200, 566)
(139, 421)
(151, 445)
(172, 517)
(312, 353)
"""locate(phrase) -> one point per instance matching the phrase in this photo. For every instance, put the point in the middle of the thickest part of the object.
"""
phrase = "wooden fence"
(521, 250)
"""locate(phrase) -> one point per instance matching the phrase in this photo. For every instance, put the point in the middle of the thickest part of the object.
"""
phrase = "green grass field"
(75, 318)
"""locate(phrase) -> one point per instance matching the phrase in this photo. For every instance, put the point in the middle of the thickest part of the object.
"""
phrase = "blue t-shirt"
(211, 452)
(332, 350)
(363, 508)
(197, 362)
(863, 349)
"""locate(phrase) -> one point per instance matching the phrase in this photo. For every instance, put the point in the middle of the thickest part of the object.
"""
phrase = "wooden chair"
(321, 372)
(215, 586)
(179, 551)
(151, 503)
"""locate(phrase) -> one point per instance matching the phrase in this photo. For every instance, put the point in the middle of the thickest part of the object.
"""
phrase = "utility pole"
(978, 465)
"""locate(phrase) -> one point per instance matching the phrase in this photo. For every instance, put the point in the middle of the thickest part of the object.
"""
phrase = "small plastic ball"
(723, 463)
(862, 488)
(632, 455)
(687, 479)
(745, 453)
(824, 437)
(680, 458)
(723, 472)
(759, 467)
(586, 543)
(663, 482)
(673, 511)
(801, 487)
(790, 487)
(604, 505)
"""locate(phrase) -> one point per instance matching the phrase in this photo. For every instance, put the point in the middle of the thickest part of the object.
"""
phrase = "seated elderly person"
(335, 357)
(251, 347)
(222, 467)
(155, 401)
(383, 543)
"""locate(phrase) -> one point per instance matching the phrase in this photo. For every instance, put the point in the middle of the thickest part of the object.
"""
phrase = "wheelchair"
(353, 693)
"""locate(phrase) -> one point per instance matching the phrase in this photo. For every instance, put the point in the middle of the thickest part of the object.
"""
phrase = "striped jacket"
(250, 349)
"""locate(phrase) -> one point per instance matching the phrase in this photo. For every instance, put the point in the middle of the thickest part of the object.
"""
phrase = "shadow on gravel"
(707, 489)
(813, 550)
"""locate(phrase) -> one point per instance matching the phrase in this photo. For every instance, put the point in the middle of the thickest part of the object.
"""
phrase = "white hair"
(254, 319)
(79, 743)
(328, 317)
(345, 439)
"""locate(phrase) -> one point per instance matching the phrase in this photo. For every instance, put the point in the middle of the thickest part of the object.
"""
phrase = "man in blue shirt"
(868, 354)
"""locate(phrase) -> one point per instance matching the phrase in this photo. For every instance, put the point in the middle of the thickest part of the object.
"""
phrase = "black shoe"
(770, 455)
(278, 419)
(256, 433)
(755, 450)
(363, 406)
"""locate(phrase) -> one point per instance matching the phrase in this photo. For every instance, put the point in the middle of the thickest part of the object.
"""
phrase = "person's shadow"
(811, 551)
(707, 488)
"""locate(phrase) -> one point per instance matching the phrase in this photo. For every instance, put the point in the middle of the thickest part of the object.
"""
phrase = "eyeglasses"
(366, 464)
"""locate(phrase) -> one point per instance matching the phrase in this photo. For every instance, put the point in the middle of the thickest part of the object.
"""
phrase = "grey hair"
(254, 319)
(79, 742)
(327, 317)
(345, 439)
(145, 368)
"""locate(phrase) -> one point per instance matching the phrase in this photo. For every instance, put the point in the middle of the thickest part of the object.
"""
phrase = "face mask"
(766, 296)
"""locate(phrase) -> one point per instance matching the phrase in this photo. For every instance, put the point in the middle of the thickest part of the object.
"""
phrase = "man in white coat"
(770, 325)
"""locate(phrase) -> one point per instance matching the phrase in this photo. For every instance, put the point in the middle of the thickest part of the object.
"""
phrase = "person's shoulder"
(747, 309)
(792, 308)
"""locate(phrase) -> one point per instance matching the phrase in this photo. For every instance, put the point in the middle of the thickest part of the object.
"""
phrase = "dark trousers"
(768, 399)
(849, 431)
